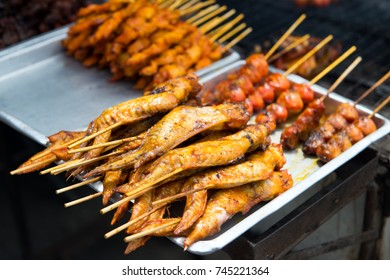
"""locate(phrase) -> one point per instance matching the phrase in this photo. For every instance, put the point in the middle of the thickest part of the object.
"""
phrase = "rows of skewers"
(277, 101)
(150, 42)
(154, 150)
(178, 141)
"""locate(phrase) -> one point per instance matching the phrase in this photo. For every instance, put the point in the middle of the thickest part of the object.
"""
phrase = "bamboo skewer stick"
(24, 168)
(374, 86)
(300, 61)
(115, 205)
(33, 165)
(237, 39)
(213, 23)
(137, 192)
(111, 143)
(89, 137)
(342, 77)
(222, 30)
(59, 147)
(188, 4)
(129, 223)
(83, 199)
(196, 7)
(332, 65)
(284, 36)
(172, 198)
(166, 4)
(176, 4)
(152, 230)
(82, 162)
(48, 170)
(209, 16)
(289, 47)
(380, 106)
(203, 13)
(74, 186)
(231, 33)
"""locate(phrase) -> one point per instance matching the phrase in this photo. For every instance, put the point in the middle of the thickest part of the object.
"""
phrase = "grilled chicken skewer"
(353, 133)
(310, 117)
(224, 204)
(50, 154)
(200, 155)
(345, 113)
(260, 165)
(292, 102)
(177, 126)
(166, 97)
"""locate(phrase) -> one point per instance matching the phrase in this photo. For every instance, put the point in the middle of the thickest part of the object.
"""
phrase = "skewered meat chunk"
(292, 101)
(224, 204)
(366, 125)
(52, 153)
(278, 82)
(224, 151)
(178, 125)
(163, 98)
(300, 130)
(348, 111)
(259, 166)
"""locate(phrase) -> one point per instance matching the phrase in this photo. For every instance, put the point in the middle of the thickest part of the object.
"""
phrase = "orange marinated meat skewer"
(345, 114)
(310, 117)
(344, 139)
(260, 165)
(51, 153)
(165, 97)
(224, 204)
(353, 133)
(177, 126)
(223, 151)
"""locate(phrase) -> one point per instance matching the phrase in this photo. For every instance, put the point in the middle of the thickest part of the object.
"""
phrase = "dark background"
(34, 223)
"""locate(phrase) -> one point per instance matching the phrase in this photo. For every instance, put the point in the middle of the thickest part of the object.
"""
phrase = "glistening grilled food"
(228, 202)
(178, 125)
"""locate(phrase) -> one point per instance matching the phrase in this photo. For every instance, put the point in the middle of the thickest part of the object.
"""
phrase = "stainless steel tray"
(39, 83)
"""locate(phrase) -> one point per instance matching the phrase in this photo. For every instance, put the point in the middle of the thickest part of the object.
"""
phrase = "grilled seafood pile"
(156, 150)
(147, 41)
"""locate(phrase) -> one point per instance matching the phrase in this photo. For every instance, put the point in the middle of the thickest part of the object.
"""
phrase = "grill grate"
(352, 22)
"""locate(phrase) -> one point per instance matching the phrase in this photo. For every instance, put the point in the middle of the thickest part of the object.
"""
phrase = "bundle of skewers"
(150, 42)
(179, 142)
(154, 150)
(278, 101)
